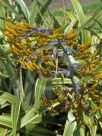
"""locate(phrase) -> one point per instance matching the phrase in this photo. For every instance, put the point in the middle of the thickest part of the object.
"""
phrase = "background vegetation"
(50, 69)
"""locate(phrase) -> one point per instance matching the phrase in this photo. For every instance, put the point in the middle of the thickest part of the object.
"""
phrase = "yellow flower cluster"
(33, 46)
(91, 60)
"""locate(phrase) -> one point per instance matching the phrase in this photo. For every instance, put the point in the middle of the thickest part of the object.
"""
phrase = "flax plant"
(49, 76)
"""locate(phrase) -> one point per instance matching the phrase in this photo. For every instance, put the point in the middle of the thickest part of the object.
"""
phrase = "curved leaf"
(81, 18)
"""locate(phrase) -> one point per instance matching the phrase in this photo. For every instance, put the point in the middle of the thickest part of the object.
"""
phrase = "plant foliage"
(50, 78)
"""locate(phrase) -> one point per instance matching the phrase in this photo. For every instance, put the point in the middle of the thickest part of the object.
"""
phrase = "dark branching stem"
(71, 69)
